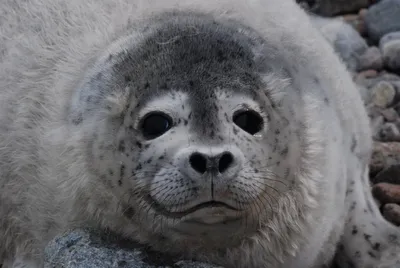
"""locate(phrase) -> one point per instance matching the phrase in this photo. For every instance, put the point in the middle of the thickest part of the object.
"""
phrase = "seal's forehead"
(193, 54)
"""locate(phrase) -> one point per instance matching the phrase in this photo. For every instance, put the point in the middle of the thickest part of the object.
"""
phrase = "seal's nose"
(203, 163)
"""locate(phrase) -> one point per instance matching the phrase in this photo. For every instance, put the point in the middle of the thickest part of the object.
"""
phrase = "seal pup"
(226, 131)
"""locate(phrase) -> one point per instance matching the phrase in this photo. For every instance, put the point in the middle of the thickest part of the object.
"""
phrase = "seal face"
(197, 147)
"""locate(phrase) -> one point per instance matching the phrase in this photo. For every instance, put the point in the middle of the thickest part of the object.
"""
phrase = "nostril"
(198, 162)
(225, 161)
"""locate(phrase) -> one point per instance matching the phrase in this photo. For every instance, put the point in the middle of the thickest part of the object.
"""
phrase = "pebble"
(397, 108)
(384, 155)
(386, 192)
(383, 94)
(390, 48)
(334, 7)
(382, 18)
(391, 212)
(390, 115)
(369, 79)
(371, 59)
(388, 175)
(389, 132)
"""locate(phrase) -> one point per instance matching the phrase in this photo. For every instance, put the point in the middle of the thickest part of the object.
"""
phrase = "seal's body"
(225, 131)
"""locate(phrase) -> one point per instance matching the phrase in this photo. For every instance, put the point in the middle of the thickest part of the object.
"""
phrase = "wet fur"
(50, 127)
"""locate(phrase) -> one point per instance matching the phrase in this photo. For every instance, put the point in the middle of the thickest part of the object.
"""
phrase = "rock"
(391, 212)
(346, 41)
(382, 18)
(363, 75)
(384, 155)
(390, 48)
(334, 7)
(383, 94)
(369, 79)
(89, 249)
(396, 107)
(390, 115)
(371, 59)
(386, 192)
(389, 175)
(389, 132)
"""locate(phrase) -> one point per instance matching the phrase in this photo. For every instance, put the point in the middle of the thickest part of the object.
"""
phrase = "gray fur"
(76, 78)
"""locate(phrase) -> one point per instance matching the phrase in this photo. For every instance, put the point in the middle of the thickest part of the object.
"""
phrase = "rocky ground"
(366, 35)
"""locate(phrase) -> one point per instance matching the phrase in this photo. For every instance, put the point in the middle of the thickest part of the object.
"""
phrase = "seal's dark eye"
(155, 124)
(249, 121)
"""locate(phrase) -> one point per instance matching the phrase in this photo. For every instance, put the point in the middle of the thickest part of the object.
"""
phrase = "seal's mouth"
(179, 214)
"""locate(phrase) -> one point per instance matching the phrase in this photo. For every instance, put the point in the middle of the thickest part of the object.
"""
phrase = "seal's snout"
(214, 161)
(203, 163)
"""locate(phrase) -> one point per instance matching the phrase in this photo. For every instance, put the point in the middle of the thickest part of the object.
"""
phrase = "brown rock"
(391, 212)
(368, 74)
(384, 155)
(386, 192)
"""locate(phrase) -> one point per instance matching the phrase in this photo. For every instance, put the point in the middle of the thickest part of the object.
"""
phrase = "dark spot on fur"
(139, 167)
(285, 150)
(372, 255)
(121, 146)
(353, 143)
(128, 78)
(392, 238)
(122, 171)
(354, 231)
(138, 144)
(367, 237)
(376, 246)
(77, 120)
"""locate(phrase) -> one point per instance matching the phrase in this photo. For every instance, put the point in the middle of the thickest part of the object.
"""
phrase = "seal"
(223, 131)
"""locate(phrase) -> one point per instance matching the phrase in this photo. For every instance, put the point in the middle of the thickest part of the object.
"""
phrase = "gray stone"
(371, 81)
(390, 115)
(346, 41)
(89, 249)
(382, 18)
(390, 47)
(389, 132)
(333, 7)
(371, 59)
(383, 94)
